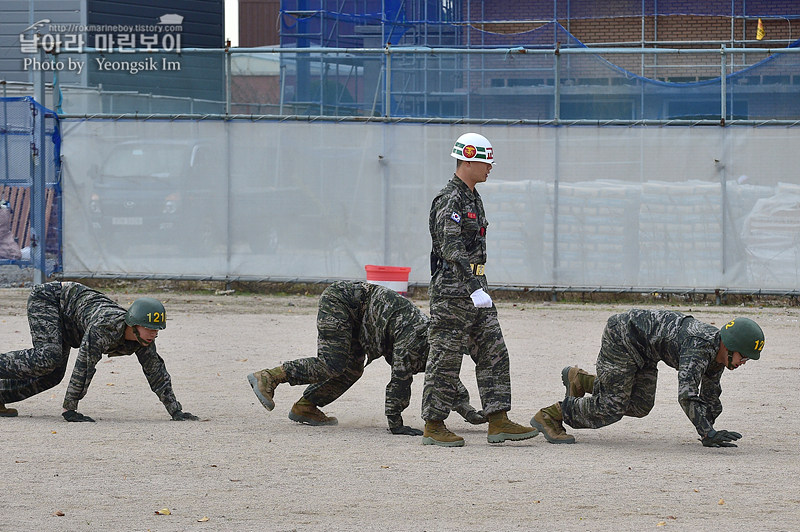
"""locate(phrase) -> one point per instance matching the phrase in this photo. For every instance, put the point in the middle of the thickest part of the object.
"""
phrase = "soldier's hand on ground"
(720, 438)
(180, 415)
(481, 299)
(76, 417)
(405, 431)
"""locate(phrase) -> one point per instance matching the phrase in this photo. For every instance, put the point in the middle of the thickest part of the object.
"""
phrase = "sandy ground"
(244, 468)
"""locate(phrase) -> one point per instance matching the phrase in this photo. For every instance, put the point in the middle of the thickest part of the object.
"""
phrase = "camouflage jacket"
(389, 326)
(95, 324)
(691, 347)
(457, 225)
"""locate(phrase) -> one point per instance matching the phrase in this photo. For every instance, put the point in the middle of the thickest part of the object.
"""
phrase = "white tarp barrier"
(650, 207)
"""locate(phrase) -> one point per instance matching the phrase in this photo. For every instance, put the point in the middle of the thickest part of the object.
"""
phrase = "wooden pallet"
(19, 198)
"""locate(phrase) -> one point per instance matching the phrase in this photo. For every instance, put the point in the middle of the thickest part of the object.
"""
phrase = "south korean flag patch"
(456, 217)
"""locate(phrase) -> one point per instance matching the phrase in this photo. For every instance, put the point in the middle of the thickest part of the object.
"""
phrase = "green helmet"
(743, 335)
(147, 312)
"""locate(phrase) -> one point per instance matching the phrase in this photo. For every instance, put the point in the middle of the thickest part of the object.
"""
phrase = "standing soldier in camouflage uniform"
(66, 315)
(633, 344)
(461, 310)
(357, 323)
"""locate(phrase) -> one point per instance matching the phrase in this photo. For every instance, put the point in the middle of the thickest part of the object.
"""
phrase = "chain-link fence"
(30, 190)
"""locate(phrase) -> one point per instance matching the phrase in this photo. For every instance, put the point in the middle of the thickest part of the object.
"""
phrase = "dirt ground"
(243, 468)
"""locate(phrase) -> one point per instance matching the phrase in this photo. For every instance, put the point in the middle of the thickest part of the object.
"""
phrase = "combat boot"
(577, 382)
(264, 383)
(7, 412)
(304, 411)
(501, 429)
(436, 433)
(548, 421)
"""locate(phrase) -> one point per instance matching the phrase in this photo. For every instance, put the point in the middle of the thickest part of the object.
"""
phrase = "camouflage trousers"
(27, 372)
(458, 327)
(625, 383)
(340, 358)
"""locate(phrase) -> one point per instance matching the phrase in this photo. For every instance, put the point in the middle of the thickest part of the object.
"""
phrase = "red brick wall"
(600, 25)
(258, 23)
(610, 29)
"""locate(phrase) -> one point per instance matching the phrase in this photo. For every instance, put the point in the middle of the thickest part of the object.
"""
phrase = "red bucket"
(394, 277)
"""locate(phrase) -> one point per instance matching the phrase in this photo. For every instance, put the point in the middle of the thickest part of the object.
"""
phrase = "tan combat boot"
(7, 412)
(548, 421)
(577, 381)
(264, 383)
(437, 434)
(501, 429)
(304, 411)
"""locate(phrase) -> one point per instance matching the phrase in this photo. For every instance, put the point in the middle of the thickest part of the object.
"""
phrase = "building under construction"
(488, 60)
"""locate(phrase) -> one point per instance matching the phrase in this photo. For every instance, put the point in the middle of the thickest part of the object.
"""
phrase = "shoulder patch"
(456, 217)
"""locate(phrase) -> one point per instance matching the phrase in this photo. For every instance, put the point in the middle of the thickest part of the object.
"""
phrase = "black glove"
(475, 417)
(405, 430)
(180, 415)
(720, 438)
(71, 415)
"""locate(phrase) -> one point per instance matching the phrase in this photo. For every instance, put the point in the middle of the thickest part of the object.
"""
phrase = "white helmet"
(473, 147)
